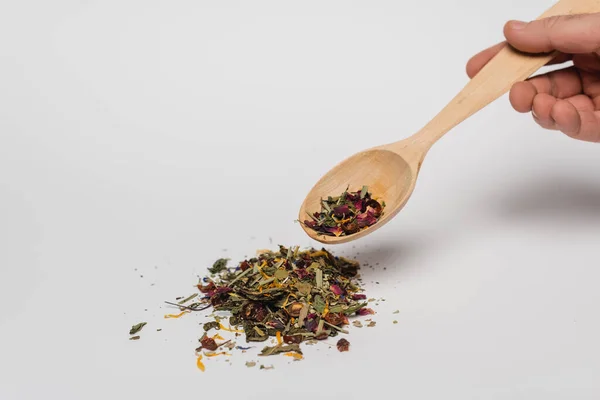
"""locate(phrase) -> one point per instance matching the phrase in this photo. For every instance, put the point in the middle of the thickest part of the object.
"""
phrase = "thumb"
(566, 33)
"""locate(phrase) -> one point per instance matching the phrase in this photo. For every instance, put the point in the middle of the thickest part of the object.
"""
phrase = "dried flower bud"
(244, 265)
(209, 343)
(350, 227)
(254, 312)
(343, 345)
(294, 309)
(292, 339)
(336, 319)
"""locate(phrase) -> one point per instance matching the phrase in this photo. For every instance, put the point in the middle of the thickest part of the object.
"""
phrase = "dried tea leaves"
(272, 350)
(211, 325)
(218, 266)
(136, 328)
(289, 296)
(300, 294)
(346, 214)
(280, 300)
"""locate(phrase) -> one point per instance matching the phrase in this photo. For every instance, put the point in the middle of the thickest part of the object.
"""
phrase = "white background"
(145, 137)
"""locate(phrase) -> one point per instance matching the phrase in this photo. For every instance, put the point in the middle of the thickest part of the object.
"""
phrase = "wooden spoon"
(391, 170)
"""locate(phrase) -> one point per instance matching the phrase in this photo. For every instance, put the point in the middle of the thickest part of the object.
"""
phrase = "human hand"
(568, 99)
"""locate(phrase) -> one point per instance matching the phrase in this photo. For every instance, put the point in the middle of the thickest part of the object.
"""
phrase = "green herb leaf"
(136, 328)
(188, 299)
(281, 274)
(303, 288)
(211, 325)
(272, 350)
(354, 308)
(363, 192)
(319, 278)
(319, 304)
(218, 266)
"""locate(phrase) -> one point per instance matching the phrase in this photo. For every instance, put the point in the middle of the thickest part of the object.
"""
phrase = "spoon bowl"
(391, 171)
(389, 176)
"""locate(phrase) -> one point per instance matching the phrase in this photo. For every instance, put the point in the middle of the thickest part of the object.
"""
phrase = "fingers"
(479, 60)
(543, 105)
(560, 84)
(581, 124)
(557, 102)
(566, 117)
(573, 34)
(521, 96)
(567, 34)
(575, 116)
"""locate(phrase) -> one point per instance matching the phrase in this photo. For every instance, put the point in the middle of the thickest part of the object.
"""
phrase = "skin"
(566, 100)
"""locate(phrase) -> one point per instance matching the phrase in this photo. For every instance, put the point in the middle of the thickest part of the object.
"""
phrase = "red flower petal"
(254, 312)
(353, 196)
(374, 208)
(311, 325)
(341, 210)
(359, 296)
(310, 224)
(358, 204)
(338, 291)
(208, 288)
(276, 324)
(365, 219)
(336, 230)
(365, 311)
(302, 273)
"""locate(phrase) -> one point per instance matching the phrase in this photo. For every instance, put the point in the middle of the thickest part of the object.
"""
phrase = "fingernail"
(533, 113)
(517, 25)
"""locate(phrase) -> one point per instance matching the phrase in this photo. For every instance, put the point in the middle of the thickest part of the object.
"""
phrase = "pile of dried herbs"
(291, 295)
(346, 214)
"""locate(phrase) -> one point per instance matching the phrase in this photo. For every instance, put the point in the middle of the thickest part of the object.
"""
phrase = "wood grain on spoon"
(390, 171)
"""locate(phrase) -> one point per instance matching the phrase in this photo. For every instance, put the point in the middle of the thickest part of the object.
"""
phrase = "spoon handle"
(496, 78)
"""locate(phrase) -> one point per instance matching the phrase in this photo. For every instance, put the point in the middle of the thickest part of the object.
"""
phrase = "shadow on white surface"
(551, 198)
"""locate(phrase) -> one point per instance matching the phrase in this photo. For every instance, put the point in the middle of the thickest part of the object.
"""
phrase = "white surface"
(120, 121)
